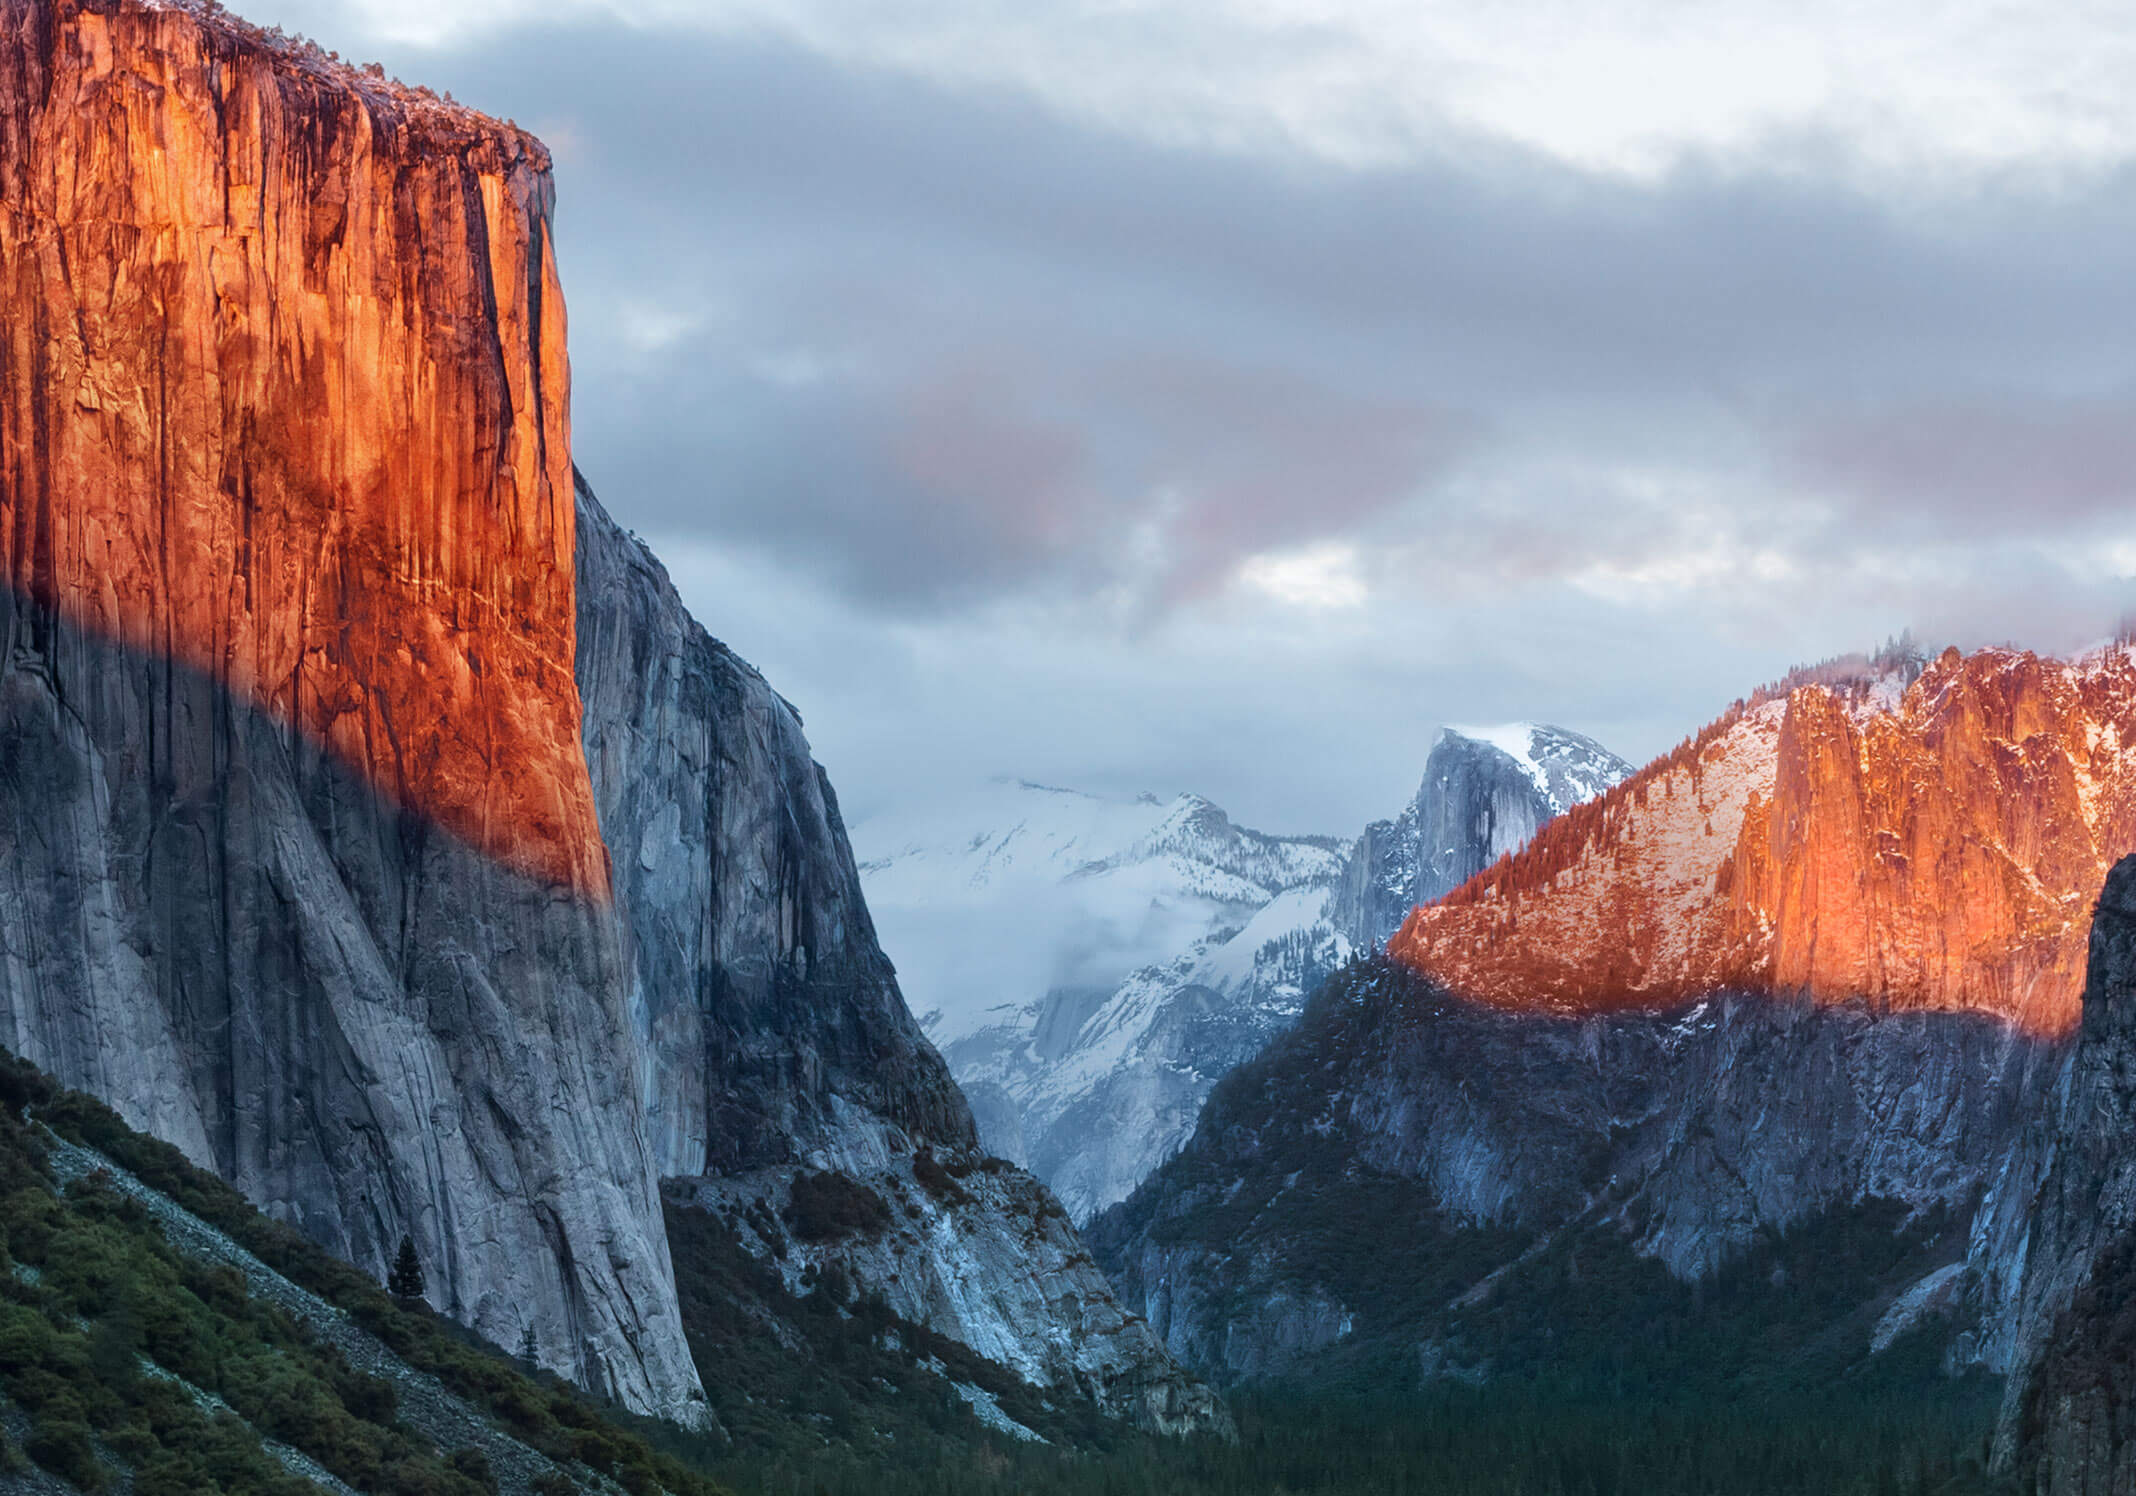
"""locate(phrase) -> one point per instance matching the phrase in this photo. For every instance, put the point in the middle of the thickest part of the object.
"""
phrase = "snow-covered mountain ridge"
(1022, 888)
(1486, 792)
(1090, 967)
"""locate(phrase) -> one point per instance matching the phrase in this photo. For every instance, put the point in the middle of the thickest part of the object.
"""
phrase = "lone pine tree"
(405, 1282)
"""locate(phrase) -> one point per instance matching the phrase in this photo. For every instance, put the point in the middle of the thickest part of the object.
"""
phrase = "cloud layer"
(1217, 396)
(1635, 87)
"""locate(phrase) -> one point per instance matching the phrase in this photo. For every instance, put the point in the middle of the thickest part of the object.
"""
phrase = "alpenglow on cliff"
(1815, 974)
(1936, 843)
(375, 824)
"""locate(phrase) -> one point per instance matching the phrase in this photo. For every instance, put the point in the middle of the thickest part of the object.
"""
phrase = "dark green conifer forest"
(126, 1363)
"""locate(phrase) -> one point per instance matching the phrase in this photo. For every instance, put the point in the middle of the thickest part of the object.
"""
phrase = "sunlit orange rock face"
(1937, 847)
(283, 396)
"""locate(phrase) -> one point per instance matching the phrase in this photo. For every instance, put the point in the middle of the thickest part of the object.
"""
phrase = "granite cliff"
(1820, 964)
(375, 823)
(287, 403)
(767, 1022)
(1374, 1188)
(780, 1064)
(1933, 844)
(303, 870)
(2066, 1237)
(1486, 792)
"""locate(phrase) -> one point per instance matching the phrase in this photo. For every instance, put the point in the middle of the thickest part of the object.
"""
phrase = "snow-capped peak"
(1564, 766)
(1516, 740)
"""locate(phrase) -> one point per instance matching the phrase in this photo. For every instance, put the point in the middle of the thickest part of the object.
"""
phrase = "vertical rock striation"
(2071, 1409)
(301, 824)
(283, 398)
(1933, 845)
(768, 1022)
(1486, 793)
(771, 1038)
(299, 865)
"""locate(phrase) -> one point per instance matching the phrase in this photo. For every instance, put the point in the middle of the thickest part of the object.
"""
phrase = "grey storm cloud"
(1009, 350)
(1978, 467)
(1000, 471)
(969, 419)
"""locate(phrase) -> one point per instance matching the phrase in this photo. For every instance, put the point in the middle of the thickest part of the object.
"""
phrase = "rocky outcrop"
(1397, 1118)
(1181, 942)
(2070, 1238)
(300, 863)
(975, 1249)
(1930, 845)
(1486, 792)
(1822, 955)
(771, 1038)
(768, 1022)
(2073, 1427)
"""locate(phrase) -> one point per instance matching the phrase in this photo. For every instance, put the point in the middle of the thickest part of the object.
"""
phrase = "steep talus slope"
(1935, 844)
(300, 859)
(776, 1052)
(1486, 793)
(1358, 1191)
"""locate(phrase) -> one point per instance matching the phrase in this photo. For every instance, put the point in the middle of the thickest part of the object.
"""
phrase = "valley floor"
(158, 1336)
(1887, 1441)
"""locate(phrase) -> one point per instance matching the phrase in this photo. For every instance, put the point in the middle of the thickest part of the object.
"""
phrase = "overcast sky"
(1220, 394)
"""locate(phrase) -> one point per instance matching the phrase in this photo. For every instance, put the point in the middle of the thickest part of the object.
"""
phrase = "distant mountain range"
(1091, 967)
(1776, 1065)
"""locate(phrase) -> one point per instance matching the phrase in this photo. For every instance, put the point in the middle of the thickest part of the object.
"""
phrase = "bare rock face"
(768, 1021)
(301, 864)
(2073, 1422)
(1399, 1118)
(1159, 944)
(1934, 845)
(773, 1043)
(977, 1250)
(1826, 952)
(284, 400)
(2071, 1410)
(1486, 793)
(366, 1025)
